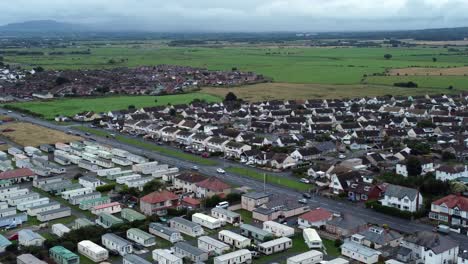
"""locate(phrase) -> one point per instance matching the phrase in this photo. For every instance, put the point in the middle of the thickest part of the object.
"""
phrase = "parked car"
(302, 201)
(304, 180)
(307, 195)
(219, 170)
(195, 168)
(341, 156)
(222, 205)
(205, 155)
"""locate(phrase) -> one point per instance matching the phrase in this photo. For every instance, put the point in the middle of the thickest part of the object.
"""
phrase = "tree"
(230, 97)
(434, 59)
(152, 186)
(39, 69)
(388, 56)
(413, 165)
(131, 107)
(172, 112)
(450, 87)
(457, 187)
(61, 80)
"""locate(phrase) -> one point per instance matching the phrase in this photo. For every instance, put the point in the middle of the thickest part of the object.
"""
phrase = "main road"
(240, 180)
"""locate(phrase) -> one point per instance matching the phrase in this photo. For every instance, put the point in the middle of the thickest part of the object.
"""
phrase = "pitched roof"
(401, 192)
(452, 201)
(18, 173)
(158, 197)
(433, 241)
(213, 184)
(319, 214)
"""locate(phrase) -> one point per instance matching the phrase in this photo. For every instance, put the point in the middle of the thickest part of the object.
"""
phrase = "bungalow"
(185, 226)
(185, 250)
(345, 225)
(165, 232)
(314, 218)
(378, 237)
(158, 202)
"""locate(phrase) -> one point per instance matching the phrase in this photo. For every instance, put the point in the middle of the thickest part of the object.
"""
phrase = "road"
(239, 180)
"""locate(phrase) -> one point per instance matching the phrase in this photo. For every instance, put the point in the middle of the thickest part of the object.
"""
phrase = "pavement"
(369, 215)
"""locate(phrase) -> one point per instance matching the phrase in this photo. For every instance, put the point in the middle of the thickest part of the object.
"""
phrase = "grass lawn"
(272, 179)
(72, 106)
(332, 250)
(299, 246)
(152, 147)
(245, 215)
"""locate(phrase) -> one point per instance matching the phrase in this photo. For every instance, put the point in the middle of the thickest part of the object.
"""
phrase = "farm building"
(185, 226)
(114, 242)
(28, 204)
(13, 220)
(92, 251)
(233, 239)
(107, 220)
(14, 201)
(27, 237)
(274, 246)
(88, 204)
(165, 256)
(90, 182)
(131, 215)
(226, 215)
(254, 232)
(237, 257)
(28, 259)
(309, 257)
(110, 208)
(206, 221)
(141, 237)
(185, 250)
(81, 222)
(79, 198)
(212, 245)
(165, 232)
(33, 211)
(54, 214)
(312, 238)
(134, 259)
(4, 243)
(81, 191)
(62, 255)
(7, 212)
(278, 229)
(60, 229)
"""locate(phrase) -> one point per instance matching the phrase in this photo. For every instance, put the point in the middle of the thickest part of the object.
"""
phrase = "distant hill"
(41, 26)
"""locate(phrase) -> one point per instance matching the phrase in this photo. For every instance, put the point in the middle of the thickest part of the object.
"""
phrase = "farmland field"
(20, 133)
(70, 107)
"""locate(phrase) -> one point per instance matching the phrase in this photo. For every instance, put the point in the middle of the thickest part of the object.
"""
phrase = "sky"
(242, 15)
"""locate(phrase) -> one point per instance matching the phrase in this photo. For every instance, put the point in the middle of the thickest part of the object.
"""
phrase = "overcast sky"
(243, 15)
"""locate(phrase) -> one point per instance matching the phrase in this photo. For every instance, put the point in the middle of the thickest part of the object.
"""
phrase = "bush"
(409, 84)
(105, 187)
(375, 205)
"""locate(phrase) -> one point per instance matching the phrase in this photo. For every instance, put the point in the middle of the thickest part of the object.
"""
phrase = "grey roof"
(89, 179)
(256, 195)
(401, 192)
(189, 248)
(54, 211)
(433, 241)
(363, 250)
(255, 230)
(347, 221)
(185, 222)
(163, 229)
(223, 211)
(116, 239)
(380, 235)
(30, 259)
(134, 259)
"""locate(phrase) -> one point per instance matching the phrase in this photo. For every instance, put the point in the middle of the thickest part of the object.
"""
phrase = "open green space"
(70, 107)
(271, 179)
(245, 215)
(457, 82)
(152, 147)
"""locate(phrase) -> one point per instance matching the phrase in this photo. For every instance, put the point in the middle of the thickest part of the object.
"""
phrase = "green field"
(70, 107)
(457, 82)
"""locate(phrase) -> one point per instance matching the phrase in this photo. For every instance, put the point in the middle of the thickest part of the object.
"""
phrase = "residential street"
(239, 180)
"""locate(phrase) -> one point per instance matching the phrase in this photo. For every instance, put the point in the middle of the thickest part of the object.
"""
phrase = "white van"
(223, 205)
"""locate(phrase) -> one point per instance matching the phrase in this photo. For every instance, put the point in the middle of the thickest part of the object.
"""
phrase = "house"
(233, 239)
(206, 221)
(449, 173)
(309, 257)
(28, 259)
(225, 215)
(165, 256)
(185, 250)
(282, 161)
(212, 246)
(141, 237)
(187, 181)
(452, 209)
(254, 232)
(431, 248)
(402, 198)
(234, 149)
(237, 257)
(312, 238)
(345, 225)
(18, 175)
(27, 237)
(279, 207)
(212, 186)
(364, 191)
(134, 259)
(165, 232)
(275, 246)
(314, 218)
(185, 226)
(359, 252)
(378, 237)
(158, 203)
(107, 220)
(278, 229)
(116, 243)
(92, 251)
(4, 243)
(250, 201)
(62, 255)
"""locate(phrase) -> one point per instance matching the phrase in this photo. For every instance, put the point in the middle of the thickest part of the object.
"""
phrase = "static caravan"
(185, 226)
(121, 161)
(105, 172)
(7, 212)
(54, 214)
(119, 152)
(141, 237)
(68, 194)
(212, 246)
(88, 156)
(233, 239)
(13, 220)
(17, 192)
(62, 146)
(40, 182)
(80, 198)
(91, 149)
(278, 229)
(14, 201)
(92, 251)
(82, 222)
(136, 158)
(33, 211)
(165, 232)
(134, 259)
(84, 164)
(103, 163)
(15, 151)
(28, 259)
(61, 255)
(8, 189)
(114, 176)
(274, 246)
(145, 168)
(254, 232)
(60, 229)
(226, 215)
(312, 238)
(104, 154)
(163, 256)
(107, 220)
(90, 182)
(206, 221)
(77, 144)
(309, 257)
(62, 160)
(163, 172)
(88, 204)
(114, 242)
(237, 257)
(28, 204)
(138, 183)
(131, 215)
(185, 250)
(110, 208)
(124, 179)
(3, 205)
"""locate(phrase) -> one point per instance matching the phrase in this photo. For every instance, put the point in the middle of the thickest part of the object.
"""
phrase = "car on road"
(307, 195)
(195, 168)
(302, 201)
(23, 115)
(341, 156)
(219, 170)
(304, 180)
(223, 205)
(88, 134)
(9, 111)
(205, 155)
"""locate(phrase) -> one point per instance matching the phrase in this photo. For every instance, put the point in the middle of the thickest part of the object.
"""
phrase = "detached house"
(402, 198)
(431, 248)
(452, 209)
(158, 202)
(212, 186)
